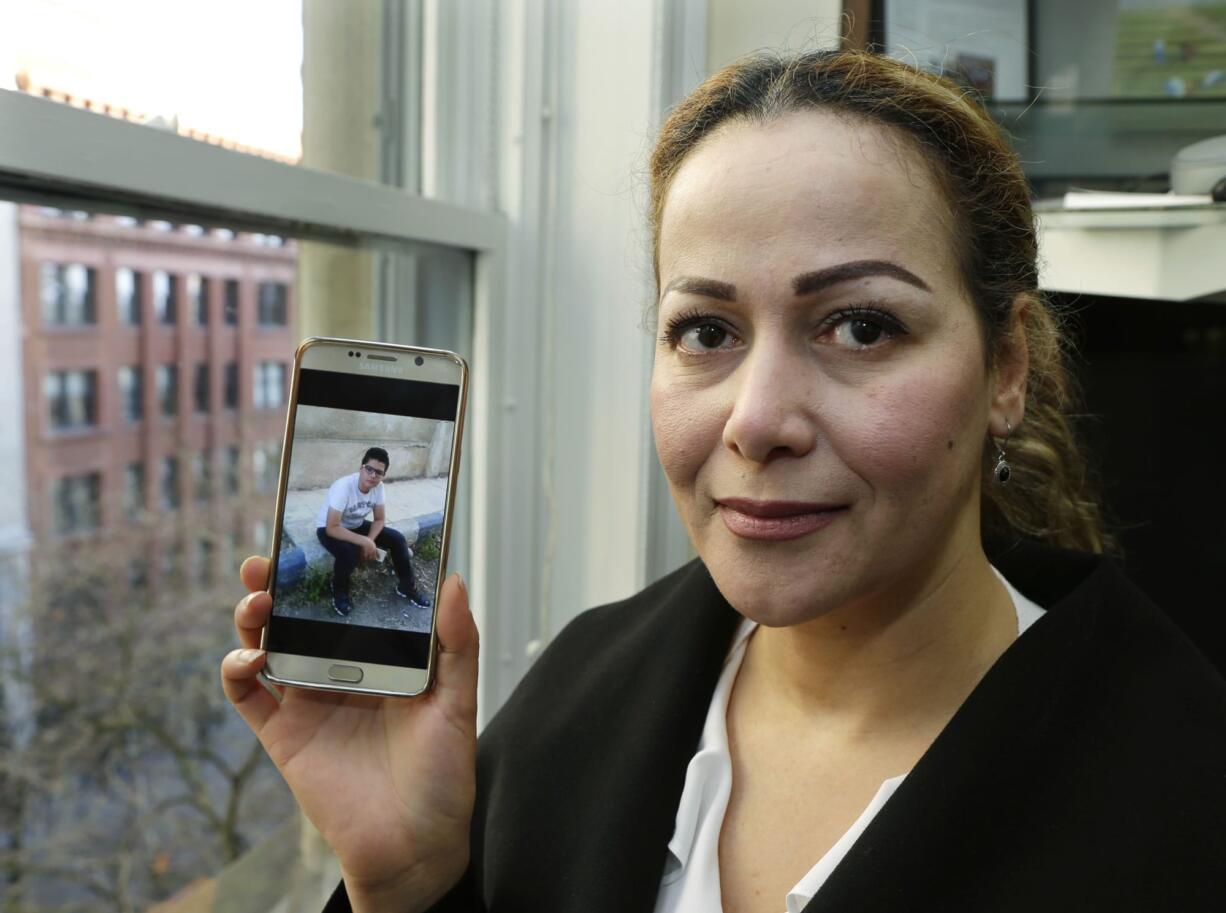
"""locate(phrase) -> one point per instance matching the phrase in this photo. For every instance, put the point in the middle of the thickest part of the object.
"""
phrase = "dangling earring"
(1003, 471)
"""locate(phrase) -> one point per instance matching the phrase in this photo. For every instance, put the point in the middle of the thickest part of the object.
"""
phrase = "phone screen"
(357, 568)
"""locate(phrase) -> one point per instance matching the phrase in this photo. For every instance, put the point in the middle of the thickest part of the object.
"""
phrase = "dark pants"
(347, 556)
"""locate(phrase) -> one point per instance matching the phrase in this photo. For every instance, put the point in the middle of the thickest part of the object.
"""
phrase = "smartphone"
(364, 512)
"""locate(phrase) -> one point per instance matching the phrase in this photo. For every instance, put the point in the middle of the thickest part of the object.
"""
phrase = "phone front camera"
(419, 361)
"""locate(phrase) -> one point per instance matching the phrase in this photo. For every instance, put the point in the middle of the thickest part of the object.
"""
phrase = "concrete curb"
(306, 552)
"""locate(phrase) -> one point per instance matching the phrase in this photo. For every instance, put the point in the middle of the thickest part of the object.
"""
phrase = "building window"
(272, 304)
(168, 389)
(67, 292)
(169, 563)
(269, 389)
(72, 399)
(204, 562)
(202, 477)
(165, 289)
(132, 392)
(134, 489)
(231, 385)
(75, 503)
(170, 483)
(232, 481)
(127, 296)
(265, 460)
(198, 296)
(230, 304)
(201, 387)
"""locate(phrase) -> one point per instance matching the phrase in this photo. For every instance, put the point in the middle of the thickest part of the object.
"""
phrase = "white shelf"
(1167, 253)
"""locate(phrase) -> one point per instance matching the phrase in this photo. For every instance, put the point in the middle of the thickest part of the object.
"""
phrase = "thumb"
(458, 646)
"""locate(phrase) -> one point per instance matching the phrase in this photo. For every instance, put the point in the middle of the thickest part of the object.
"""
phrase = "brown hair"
(1049, 496)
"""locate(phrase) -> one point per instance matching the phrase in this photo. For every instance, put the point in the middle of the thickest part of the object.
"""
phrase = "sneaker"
(341, 605)
(414, 596)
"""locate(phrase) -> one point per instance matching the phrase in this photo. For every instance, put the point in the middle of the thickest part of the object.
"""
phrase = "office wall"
(736, 27)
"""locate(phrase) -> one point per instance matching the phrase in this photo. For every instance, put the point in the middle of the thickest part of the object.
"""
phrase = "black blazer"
(1086, 771)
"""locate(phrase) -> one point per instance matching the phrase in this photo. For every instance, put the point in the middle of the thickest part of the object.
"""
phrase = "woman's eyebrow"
(696, 285)
(808, 283)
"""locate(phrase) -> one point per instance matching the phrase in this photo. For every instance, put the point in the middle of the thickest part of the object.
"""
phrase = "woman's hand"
(389, 782)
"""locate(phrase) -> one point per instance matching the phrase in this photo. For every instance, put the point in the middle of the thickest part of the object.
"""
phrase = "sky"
(230, 68)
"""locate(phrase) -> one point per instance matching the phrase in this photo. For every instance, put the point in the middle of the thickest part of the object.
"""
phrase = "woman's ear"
(1010, 369)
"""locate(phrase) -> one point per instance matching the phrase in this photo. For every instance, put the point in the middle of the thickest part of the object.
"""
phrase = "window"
(128, 296)
(231, 385)
(204, 562)
(168, 389)
(269, 389)
(170, 483)
(202, 477)
(67, 292)
(201, 387)
(75, 503)
(230, 304)
(170, 563)
(134, 489)
(232, 459)
(265, 464)
(165, 291)
(132, 393)
(272, 304)
(185, 834)
(198, 296)
(72, 399)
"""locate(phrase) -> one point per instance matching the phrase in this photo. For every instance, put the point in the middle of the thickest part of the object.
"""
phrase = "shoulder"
(655, 653)
(1117, 690)
(629, 636)
(1098, 619)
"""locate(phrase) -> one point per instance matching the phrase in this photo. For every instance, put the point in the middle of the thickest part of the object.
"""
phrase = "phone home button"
(339, 673)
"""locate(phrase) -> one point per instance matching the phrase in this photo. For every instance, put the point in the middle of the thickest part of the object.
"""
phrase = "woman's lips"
(776, 521)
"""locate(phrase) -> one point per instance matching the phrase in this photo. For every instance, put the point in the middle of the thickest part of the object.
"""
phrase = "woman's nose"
(772, 411)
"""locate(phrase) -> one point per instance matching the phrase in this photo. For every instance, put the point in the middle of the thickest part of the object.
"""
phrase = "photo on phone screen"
(363, 516)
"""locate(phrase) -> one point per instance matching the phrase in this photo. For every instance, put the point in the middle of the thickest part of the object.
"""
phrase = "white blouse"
(691, 873)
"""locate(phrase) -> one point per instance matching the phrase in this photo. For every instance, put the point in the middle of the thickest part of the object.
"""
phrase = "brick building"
(156, 361)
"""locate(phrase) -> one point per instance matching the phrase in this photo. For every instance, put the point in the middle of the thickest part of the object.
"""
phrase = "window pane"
(127, 296)
(202, 390)
(302, 83)
(157, 520)
(133, 489)
(165, 297)
(131, 392)
(272, 305)
(67, 294)
(168, 389)
(197, 290)
(71, 399)
(170, 483)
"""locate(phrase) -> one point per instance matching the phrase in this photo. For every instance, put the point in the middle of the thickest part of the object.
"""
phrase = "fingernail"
(459, 578)
(249, 655)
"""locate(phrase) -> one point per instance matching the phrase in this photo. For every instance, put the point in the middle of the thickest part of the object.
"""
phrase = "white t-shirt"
(691, 872)
(345, 496)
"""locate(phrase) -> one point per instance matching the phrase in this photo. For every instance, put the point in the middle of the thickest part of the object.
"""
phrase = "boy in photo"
(344, 530)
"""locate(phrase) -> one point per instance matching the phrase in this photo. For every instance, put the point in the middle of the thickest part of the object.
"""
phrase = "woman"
(856, 384)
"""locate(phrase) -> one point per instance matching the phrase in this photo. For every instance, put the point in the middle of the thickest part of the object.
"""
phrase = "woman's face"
(820, 395)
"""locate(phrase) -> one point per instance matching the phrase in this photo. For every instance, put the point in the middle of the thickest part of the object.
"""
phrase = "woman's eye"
(704, 336)
(697, 333)
(861, 330)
